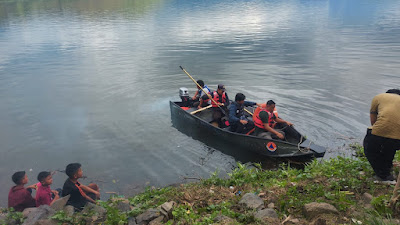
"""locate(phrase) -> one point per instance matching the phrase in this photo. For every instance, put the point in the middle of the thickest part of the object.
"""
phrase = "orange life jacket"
(271, 117)
(216, 99)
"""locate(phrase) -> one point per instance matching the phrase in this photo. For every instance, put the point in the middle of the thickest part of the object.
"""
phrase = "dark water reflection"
(90, 80)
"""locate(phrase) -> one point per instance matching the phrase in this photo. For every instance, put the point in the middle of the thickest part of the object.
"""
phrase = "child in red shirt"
(44, 195)
(20, 197)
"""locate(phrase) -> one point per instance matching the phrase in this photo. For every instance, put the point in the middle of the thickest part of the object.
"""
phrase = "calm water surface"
(89, 80)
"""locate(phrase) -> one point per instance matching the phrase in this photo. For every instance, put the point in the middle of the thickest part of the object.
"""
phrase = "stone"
(69, 210)
(27, 211)
(271, 205)
(252, 201)
(391, 221)
(290, 220)
(265, 213)
(314, 209)
(42, 212)
(157, 221)
(368, 206)
(60, 203)
(167, 208)
(12, 222)
(2, 218)
(99, 212)
(46, 222)
(221, 219)
(132, 221)
(124, 206)
(367, 198)
(319, 221)
(147, 216)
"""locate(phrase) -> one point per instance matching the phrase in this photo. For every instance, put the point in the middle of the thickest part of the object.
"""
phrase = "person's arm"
(33, 186)
(373, 117)
(273, 131)
(373, 112)
(195, 95)
(56, 197)
(226, 104)
(88, 189)
(90, 199)
(248, 103)
(279, 120)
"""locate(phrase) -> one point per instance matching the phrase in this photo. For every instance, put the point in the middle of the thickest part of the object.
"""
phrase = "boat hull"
(218, 138)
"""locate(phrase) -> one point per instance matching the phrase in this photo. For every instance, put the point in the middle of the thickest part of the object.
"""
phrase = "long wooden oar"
(248, 111)
(199, 110)
(204, 108)
(198, 85)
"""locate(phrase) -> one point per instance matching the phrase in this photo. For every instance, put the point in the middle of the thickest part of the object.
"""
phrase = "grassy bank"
(338, 181)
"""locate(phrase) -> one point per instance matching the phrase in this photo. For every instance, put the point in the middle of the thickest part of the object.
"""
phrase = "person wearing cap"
(222, 100)
(200, 94)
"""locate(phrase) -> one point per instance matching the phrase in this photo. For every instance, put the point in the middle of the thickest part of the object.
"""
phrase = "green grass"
(338, 181)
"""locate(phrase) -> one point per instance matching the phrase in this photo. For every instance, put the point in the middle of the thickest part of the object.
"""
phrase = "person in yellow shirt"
(383, 137)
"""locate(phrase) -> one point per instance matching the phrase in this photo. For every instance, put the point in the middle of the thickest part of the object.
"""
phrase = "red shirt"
(43, 195)
(19, 198)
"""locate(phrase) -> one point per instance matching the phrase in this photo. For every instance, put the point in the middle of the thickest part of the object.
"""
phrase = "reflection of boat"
(198, 126)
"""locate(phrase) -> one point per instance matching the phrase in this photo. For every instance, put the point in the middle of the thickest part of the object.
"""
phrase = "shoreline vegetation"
(333, 191)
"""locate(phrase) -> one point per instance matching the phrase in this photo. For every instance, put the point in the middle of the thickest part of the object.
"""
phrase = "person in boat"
(237, 119)
(199, 94)
(267, 122)
(222, 99)
(383, 137)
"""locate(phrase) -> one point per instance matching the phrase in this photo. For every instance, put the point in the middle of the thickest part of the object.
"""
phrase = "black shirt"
(76, 199)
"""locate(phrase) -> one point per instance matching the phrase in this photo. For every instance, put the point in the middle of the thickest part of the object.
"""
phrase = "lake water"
(90, 81)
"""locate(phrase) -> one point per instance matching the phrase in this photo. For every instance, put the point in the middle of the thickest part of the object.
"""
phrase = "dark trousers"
(380, 152)
(240, 128)
(217, 115)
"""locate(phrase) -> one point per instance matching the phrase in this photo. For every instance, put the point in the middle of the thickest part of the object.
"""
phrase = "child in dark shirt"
(80, 194)
(44, 195)
(20, 197)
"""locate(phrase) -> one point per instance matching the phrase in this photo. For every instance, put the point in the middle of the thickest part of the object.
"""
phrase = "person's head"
(45, 178)
(394, 91)
(74, 171)
(20, 178)
(270, 106)
(239, 98)
(201, 83)
(220, 89)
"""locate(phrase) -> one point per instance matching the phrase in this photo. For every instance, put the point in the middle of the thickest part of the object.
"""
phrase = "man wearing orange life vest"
(268, 124)
(222, 99)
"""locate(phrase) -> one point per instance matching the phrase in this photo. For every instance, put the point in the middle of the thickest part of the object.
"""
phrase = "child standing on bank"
(44, 195)
(80, 194)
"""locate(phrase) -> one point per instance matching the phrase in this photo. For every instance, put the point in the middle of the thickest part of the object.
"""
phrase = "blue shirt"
(236, 111)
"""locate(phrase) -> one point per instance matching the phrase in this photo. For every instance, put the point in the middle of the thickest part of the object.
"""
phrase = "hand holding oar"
(201, 88)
